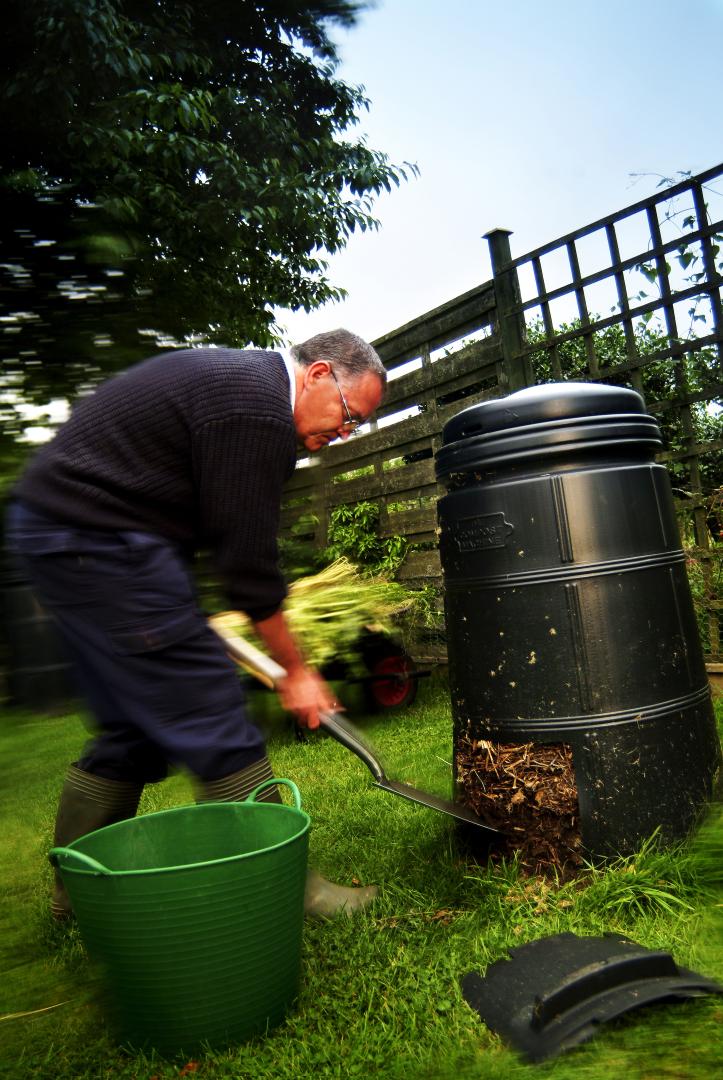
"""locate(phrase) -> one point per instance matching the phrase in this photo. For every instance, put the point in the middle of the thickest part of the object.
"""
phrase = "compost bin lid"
(553, 993)
(535, 404)
(553, 417)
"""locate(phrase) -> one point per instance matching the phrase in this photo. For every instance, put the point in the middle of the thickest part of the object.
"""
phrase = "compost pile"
(528, 791)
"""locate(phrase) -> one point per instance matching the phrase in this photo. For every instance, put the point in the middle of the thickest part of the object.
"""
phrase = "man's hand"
(306, 695)
(303, 692)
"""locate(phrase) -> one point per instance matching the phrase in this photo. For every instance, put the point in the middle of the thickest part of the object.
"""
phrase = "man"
(187, 450)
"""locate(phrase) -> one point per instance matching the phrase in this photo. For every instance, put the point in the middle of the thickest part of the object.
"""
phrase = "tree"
(170, 171)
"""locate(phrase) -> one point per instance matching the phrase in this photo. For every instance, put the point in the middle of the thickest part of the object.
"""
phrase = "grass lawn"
(380, 992)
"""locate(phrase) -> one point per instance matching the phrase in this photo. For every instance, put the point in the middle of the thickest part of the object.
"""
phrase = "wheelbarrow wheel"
(394, 685)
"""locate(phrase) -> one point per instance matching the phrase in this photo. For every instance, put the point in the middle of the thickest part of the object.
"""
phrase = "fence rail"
(637, 302)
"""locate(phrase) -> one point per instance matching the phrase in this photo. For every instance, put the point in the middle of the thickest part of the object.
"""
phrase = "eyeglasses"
(351, 423)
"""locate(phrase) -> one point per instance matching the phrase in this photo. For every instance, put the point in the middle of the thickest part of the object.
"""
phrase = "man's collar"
(291, 371)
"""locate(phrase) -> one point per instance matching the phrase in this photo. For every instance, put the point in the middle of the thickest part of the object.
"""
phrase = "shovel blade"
(444, 806)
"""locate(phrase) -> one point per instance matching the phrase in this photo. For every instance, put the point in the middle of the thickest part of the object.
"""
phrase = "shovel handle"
(256, 662)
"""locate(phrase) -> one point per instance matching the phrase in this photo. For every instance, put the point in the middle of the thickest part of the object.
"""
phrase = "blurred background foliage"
(170, 173)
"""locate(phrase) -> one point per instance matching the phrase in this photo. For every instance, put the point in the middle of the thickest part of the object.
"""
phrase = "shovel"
(269, 672)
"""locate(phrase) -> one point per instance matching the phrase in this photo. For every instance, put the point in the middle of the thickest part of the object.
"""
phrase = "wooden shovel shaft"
(257, 663)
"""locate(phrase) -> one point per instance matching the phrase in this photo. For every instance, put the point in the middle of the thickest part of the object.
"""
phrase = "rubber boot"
(237, 786)
(88, 802)
(325, 900)
(322, 899)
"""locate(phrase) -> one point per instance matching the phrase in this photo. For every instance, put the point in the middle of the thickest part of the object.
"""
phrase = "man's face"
(326, 402)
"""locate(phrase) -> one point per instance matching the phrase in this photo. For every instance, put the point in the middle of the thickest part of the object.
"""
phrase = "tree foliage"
(170, 171)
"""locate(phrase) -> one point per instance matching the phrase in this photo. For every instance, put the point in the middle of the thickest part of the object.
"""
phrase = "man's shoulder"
(209, 358)
(210, 384)
(248, 369)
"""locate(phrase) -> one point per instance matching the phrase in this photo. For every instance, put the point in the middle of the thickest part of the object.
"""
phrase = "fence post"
(516, 371)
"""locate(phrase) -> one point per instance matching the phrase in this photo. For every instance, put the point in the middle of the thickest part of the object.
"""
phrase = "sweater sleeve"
(240, 465)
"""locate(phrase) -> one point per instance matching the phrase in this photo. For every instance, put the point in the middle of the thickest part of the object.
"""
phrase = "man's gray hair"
(350, 355)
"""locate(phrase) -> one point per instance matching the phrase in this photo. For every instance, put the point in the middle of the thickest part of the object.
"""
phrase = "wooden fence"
(654, 268)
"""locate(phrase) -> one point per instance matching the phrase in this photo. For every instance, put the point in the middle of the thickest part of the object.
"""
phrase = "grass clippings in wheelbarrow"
(528, 791)
(328, 611)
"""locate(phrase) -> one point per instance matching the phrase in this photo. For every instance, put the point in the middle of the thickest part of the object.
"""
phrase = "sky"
(538, 116)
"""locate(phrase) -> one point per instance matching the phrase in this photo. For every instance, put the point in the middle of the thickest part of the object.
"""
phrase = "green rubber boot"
(88, 802)
(237, 786)
(322, 899)
(325, 900)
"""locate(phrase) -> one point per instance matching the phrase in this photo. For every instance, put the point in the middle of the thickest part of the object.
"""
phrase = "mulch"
(528, 791)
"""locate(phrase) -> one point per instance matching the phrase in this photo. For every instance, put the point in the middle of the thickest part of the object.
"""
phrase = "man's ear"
(318, 370)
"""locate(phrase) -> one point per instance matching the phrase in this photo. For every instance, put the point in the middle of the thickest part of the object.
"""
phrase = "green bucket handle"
(270, 783)
(64, 854)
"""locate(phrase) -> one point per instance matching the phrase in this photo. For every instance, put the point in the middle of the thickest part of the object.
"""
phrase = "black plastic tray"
(553, 994)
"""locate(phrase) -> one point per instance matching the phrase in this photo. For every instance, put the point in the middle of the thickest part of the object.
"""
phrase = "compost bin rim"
(568, 571)
(493, 448)
(558, 727)
(574, 399)
(534, 426)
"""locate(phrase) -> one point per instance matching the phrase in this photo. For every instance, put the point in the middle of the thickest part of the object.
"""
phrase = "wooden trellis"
(650, 273)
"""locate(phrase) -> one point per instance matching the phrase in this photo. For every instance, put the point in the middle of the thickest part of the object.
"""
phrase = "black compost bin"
(568, 610)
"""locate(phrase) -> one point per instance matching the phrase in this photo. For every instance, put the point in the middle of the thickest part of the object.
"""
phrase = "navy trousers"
(156, 677)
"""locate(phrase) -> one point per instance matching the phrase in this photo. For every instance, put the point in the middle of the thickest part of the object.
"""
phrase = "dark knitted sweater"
(193, 445)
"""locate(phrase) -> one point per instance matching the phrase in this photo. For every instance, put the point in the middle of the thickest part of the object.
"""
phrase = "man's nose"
(343, 433)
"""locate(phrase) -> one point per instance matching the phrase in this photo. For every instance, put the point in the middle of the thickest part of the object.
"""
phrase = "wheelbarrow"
(390, 678)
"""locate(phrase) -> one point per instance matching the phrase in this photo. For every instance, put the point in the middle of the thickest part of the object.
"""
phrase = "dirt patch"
(527, 790)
